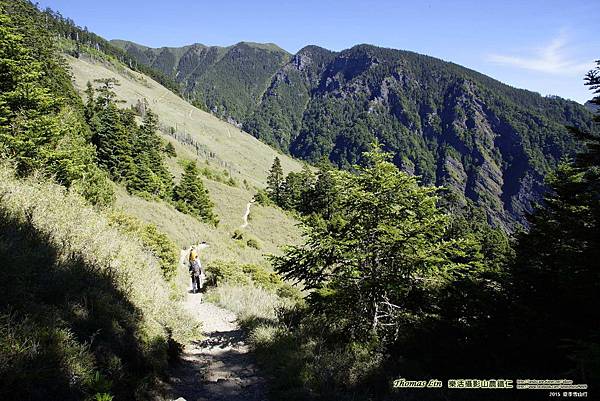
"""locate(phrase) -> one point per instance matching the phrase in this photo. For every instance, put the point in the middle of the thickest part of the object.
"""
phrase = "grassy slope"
(80, 298)
(251, 159)
(245, 156)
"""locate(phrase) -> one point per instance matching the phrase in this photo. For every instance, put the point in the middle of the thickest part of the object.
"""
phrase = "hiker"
(196, 271)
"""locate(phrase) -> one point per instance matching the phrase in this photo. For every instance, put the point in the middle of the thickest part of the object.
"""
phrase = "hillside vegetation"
(85, 308)
(393, 278)
(239, 156)
(92, 210)
(489, 143)
(229, 81)
(222, 144)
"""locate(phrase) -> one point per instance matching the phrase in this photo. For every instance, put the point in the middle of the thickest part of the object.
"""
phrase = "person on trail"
(196, 271)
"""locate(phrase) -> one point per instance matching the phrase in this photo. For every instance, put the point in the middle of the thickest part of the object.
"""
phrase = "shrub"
(262, 277)
(238, 235)
(220, 272)
(253, 243)
(169, 150)
(262, 198)
(155, 241)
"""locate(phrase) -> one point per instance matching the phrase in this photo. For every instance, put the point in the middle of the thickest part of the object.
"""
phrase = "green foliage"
(262, 198)
(217, 175)
(76, 314)
(275, 181)
(228, 81)
(385, 245)
(221, 272)
(238, 234)
(555, 279)
(170, 150)
(130, 153)
(253, 243)
(41, 122)
(434, 116)
(86, 41)
(155, 241)
(191, 197)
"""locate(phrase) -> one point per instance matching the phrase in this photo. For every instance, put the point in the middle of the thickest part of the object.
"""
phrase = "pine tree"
(275, 181)
(113, 141)
(28, 124)
(382, 259)
(191, 196)
(147, 152)
(41, 121)
(323, 196)
(170, 150)
(555, 279)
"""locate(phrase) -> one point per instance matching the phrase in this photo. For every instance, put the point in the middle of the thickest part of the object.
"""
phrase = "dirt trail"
(246, 214)
(220, 367)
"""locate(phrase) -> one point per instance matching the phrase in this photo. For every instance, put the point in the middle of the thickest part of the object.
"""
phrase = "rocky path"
(246, 214)
(220, 367)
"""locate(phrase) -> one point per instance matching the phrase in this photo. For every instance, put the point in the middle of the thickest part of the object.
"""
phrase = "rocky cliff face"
(488, 143)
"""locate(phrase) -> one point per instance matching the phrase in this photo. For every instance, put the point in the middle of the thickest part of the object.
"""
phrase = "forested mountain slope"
(486, 141)
(226, 80)
(452, 126)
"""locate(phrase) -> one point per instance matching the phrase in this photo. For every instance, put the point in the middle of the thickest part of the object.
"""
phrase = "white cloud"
(552, 58)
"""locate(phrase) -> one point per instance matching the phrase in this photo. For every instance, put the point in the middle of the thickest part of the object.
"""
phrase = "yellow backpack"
(193, 255)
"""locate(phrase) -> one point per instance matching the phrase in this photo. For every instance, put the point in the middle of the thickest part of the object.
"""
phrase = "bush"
(238, 235)
(262, 198)
(260, 276)
(220, 272)
(253, 243)
(169, 150)
(155, 241)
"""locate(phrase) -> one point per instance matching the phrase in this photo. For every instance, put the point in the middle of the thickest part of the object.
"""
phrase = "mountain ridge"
(490, 143)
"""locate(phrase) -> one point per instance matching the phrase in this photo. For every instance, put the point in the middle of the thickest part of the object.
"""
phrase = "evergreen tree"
(275, 181)
(382, 260)
(170, 150)
(323, 196)
(149, 159)
(28, 124)
(113, 141)
(191, 196)
(41, 120)
(556, 279)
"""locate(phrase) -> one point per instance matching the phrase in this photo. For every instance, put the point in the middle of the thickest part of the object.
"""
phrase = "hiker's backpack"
(195, 268)
(193, 255)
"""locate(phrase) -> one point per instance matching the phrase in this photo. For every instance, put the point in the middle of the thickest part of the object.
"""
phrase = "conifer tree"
(113, 141)
(275, 181)
(382, 259)
(28, 124)
(41, 123)
(322, 198)
(191, 196)
(556, 279)
(170, 150)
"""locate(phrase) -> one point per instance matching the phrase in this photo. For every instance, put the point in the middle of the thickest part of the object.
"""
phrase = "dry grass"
(247, 302)
(77, 229)
(85, 309)
(239, 152)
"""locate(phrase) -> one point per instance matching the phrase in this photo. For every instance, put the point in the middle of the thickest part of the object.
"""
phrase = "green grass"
(236, 151)
(84, 307)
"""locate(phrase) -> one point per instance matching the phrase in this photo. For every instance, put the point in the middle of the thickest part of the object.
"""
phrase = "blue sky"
(545, 46)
